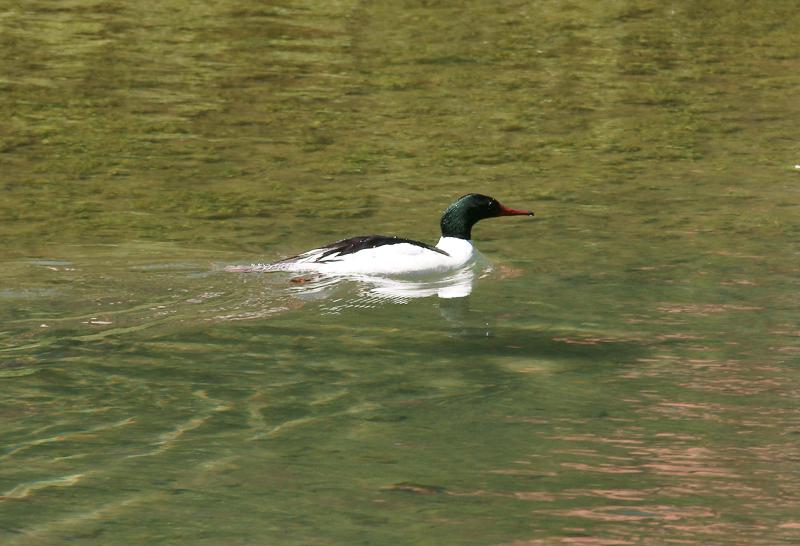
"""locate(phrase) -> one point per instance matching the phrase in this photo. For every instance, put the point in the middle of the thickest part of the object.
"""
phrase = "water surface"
(626, 373)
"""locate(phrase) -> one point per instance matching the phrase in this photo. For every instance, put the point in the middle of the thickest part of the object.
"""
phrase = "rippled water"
(625, 372)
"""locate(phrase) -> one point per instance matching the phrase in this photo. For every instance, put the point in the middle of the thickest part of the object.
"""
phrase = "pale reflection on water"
(455, 284)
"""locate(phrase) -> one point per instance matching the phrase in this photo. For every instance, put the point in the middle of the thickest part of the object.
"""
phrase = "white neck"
(460, 250)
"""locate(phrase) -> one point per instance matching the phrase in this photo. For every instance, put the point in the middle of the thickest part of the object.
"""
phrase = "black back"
(363, 242)
(354, 244)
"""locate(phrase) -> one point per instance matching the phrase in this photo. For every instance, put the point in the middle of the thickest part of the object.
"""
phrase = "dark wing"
(354, 244)
(331, 251)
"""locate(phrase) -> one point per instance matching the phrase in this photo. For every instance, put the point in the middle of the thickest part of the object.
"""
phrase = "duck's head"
(458, 218)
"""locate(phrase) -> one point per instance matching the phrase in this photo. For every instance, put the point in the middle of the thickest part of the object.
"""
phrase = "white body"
(391, 259)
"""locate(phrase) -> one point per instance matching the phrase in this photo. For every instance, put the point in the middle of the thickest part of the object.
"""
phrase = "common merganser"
(384, 255)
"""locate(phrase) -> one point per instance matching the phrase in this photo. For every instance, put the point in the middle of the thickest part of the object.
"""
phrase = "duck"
(391, 255)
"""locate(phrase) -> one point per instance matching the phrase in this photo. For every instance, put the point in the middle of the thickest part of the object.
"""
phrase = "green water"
(628, 373)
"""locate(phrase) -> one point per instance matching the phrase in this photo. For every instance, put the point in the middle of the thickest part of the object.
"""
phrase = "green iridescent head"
(458, 218)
